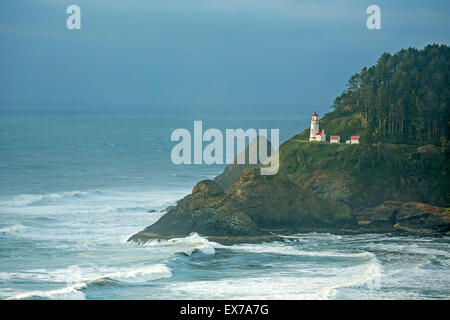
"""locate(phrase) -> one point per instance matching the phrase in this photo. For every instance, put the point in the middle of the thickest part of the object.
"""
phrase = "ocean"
(75, 186)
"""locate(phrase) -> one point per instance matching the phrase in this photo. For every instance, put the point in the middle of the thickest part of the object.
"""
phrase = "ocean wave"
(113, 209)
(187, 245)
(313, 236)
(140, 275)
(24, 200)
(90, 201)
(15, 228)
(412, 249)
(316, 284)
(78, 216)
(67, 293)
(79, 279)
(287, 249)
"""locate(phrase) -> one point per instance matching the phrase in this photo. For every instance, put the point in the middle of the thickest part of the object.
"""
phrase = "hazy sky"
(216, 55)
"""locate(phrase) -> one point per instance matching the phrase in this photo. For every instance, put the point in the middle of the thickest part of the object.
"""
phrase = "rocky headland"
(395, 181)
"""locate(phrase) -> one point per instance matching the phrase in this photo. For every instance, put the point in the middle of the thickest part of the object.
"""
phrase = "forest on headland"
(403, 98)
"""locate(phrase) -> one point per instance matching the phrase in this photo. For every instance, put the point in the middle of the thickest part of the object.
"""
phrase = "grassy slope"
(365, 175)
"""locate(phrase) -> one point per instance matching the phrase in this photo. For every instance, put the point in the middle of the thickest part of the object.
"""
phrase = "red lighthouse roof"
(315, 114)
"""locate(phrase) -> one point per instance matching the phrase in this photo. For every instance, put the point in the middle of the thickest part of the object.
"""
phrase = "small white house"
(321, 136)
(354, 139)
(335, 139)
(347, 141)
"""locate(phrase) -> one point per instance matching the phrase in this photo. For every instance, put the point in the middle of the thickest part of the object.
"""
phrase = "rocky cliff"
(320, 187)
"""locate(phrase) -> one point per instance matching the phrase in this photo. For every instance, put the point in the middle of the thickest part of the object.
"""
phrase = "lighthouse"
(315, 133)
(314, 127)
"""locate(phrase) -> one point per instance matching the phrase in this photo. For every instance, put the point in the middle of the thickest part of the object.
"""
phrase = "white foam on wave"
(313, 236)
(369, 275)
(314, 284)
(67, 293)
(111, 200)
(408, 248)
(110, 215)
(187, 245)
(294, 280)
(15, 228)
(140, 275)
(289, 249)
(77, 279)
(42, 199)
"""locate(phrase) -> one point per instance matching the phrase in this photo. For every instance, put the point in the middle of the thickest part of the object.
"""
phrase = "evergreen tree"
(404, 97)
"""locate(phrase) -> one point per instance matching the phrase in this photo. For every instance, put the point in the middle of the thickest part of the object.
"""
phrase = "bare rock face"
(207, 188)
(413, 217)
(204, 211)
(423, 218)
(279, 203)
(233, 171)
(250, 209)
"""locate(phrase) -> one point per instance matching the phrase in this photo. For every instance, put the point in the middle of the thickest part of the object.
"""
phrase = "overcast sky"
(216, 55)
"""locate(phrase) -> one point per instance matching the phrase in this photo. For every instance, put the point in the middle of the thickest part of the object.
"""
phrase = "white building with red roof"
(354, 139)
(321, 136)
(335, 139)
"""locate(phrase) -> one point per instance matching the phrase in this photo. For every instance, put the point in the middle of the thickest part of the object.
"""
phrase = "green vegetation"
(365, 175)
(403, 98)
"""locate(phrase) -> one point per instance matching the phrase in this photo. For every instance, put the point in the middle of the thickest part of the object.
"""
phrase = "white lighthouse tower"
(314, 127)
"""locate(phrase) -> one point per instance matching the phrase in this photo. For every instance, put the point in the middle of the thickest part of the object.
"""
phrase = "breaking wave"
(15, 228)
(75, 287)
(122, 201)
(45, 199)
(303, 284)
(288, 249)
(187, 245)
